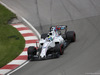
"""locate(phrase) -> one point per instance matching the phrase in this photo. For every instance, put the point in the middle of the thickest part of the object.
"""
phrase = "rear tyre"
(31, 52)
(43, 36)
(71, 36)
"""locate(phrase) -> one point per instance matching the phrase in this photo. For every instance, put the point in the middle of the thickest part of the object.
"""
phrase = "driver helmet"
(50, 38)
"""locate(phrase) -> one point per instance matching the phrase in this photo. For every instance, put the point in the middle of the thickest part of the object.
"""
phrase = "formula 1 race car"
(52, 44)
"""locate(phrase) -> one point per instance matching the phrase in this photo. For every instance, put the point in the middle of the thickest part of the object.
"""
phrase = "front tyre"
(31, 52)
(59, 49)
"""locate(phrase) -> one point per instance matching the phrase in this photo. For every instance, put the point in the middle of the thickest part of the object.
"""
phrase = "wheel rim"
(61, 52)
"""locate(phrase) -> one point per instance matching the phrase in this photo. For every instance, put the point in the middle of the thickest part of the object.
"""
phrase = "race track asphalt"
(82, 16)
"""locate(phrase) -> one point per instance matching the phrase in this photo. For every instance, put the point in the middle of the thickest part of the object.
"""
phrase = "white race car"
(52, 45)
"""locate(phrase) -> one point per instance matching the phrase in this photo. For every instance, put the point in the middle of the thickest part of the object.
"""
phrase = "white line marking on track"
(7, 7)
(38, 34)
(18, 68)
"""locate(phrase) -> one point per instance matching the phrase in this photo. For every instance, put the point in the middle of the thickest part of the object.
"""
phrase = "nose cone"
(44, 49)
(42, 57)
(43, 53)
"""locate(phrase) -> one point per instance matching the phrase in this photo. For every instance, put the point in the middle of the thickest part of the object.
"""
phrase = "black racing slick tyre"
(43, 36)
(71, 36)
(59, 49)
(31, 52)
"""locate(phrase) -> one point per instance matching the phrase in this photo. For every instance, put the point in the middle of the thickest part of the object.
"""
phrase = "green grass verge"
(11, 41)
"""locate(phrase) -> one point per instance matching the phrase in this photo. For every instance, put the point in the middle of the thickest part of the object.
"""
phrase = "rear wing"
(60, 27)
